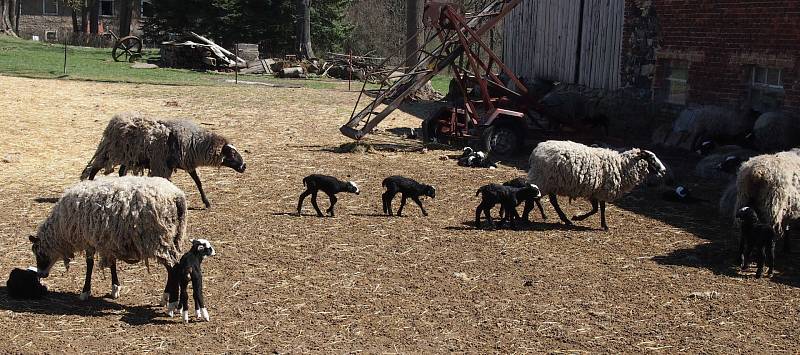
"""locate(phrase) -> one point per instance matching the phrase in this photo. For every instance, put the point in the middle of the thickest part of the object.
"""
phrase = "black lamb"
(329, 185)
(24, 284)
(409, 188)
(188, 269)
(758, 236)
(508, 197)
(530, 201)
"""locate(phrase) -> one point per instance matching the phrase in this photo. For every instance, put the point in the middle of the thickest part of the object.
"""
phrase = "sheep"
(530, 202)
(775, 131)
(329, 185)
(758, 236)
(135, 143)
(770, 184)
(472, 159)
(699, 124)
(600, 175)
(409, 188)
(129, 218)
(188, 269)
(24, 284)
(508, 197)
(727, 203)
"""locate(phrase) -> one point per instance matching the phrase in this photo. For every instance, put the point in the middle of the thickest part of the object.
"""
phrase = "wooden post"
(65, 54)
(350, 69)
(236, 68)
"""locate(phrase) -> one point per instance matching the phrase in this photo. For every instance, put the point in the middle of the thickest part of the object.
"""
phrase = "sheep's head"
(706, 148)
(654, 165)
(430, 191)
(202, 247)
(44, 261)
(353, 188)
(730, 165)
(535, 192)
(232, 159)
(747, 215)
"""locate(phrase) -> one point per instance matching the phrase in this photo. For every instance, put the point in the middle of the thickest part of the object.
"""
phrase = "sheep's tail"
(305, 180)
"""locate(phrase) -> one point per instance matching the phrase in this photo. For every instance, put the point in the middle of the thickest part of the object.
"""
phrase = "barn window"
(147, 8)
(50, 7)
(677, 82)
(766, 88)
(106, 7)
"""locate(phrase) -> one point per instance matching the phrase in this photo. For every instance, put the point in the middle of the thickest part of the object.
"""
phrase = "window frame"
(101, 8)
(141, 7)
(54, 32)
(44, 8)
(766, 85)
(670, 81)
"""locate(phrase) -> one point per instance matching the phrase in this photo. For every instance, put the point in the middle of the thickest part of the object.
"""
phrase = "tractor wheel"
(502, 139)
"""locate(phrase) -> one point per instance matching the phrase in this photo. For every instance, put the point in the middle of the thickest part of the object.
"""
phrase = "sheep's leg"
(184, 302)
(526, 212)
(123, 170)
(748, 251)
(762, 256)
(115, 286)
(488, 214)
(512, 216)
(314, 203)
(541, 209)
(561, 215)
(587, 214)
(197, 293)
(742, 246)
(87, 283)
(196, 178)
(402, 204)
(387, 197)
(419, 203)
(770, 257)
(603, 215)
(478, 215)
(787, 247)
(333, 199)
(302, 197)
(170, 297)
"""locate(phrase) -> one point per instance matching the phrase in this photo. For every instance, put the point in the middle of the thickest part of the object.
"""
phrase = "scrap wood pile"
(345, 66)
(197, 52)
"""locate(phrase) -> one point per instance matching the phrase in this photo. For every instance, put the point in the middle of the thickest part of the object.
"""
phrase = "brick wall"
(722, 39)
(34, 22)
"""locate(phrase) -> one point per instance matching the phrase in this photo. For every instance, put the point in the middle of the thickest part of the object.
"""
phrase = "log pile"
(198, 53)
(344, 66)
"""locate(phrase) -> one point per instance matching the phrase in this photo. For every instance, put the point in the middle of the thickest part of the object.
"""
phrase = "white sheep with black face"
(600, 175)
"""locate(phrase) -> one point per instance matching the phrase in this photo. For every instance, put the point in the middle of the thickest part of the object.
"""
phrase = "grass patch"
(43, 60)
(441, 83)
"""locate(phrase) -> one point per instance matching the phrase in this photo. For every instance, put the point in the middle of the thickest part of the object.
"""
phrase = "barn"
(672, 52)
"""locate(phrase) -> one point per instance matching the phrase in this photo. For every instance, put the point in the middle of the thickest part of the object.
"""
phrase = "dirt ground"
(661, 280)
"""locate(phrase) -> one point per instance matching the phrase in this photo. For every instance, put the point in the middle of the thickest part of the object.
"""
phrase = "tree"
(8, 17)
(414, 12)
(303, 35)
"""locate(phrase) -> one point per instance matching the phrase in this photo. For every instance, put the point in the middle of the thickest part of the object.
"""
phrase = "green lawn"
(41, 60)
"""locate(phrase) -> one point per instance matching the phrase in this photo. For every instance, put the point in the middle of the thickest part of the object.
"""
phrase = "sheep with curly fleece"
(136, 143)
(598, 174)
(131, 219)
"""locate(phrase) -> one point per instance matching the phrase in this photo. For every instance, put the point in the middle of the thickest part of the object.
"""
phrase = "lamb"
(329, 185)
(530, 202)
(409, 188)
(758, 236)
(188, 269)
(130, 219)
(135, 143)
(472, 159)
(597, 174)
(770, 184)
(508, 197)
(24, 284)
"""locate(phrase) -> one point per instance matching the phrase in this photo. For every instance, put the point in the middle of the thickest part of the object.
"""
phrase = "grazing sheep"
(758, 236)
(770, 184)
(508, 197)
(530, 202)
(188, 269)
(24, 284)
(409, 188)
(130, 219)
(600, 175)
(329, 185)
(136, 143)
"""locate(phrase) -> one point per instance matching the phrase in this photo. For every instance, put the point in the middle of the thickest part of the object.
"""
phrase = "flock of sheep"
(135, 219)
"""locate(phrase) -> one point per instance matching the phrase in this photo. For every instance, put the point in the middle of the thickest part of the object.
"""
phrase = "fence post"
(65, 54)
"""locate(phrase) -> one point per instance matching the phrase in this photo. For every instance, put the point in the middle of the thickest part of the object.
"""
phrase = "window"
(147, 8)
(676, 86)
(50, 7)
(106, 7)
(51, 36)
(766, 88)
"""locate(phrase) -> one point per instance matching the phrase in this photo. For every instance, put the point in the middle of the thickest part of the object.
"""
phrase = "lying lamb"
(408, 188)
(758, 236)
(188, 269)
(136, 143)
(472, 159)
(508, 197)
(24, 284)
(131, 219)
(600, 175)
(329, 185)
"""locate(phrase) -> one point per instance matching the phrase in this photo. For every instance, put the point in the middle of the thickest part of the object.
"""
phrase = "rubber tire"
(509, 139)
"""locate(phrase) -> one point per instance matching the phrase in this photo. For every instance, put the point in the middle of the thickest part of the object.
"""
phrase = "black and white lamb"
(408, 188)
(472, 159)
(188, 269)
(327, 184)
(131, 219)
(136, 143)
(600, 175)
(530, 202)
(508, 197)
(755, 236)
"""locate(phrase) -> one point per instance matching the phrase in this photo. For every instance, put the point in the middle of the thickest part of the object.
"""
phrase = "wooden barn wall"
(541, 40)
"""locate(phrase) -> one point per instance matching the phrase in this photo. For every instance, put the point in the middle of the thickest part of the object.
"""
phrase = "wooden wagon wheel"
(128, 47)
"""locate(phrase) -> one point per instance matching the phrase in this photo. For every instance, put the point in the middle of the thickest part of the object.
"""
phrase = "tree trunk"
(84, 18)
(7, 16)
(303, 30)
(94, 16)
(414, 11)
(125, 15)
(75, 25)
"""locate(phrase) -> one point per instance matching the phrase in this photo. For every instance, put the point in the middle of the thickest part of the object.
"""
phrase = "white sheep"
(770, 184)
(131, 219)
(598, 174)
